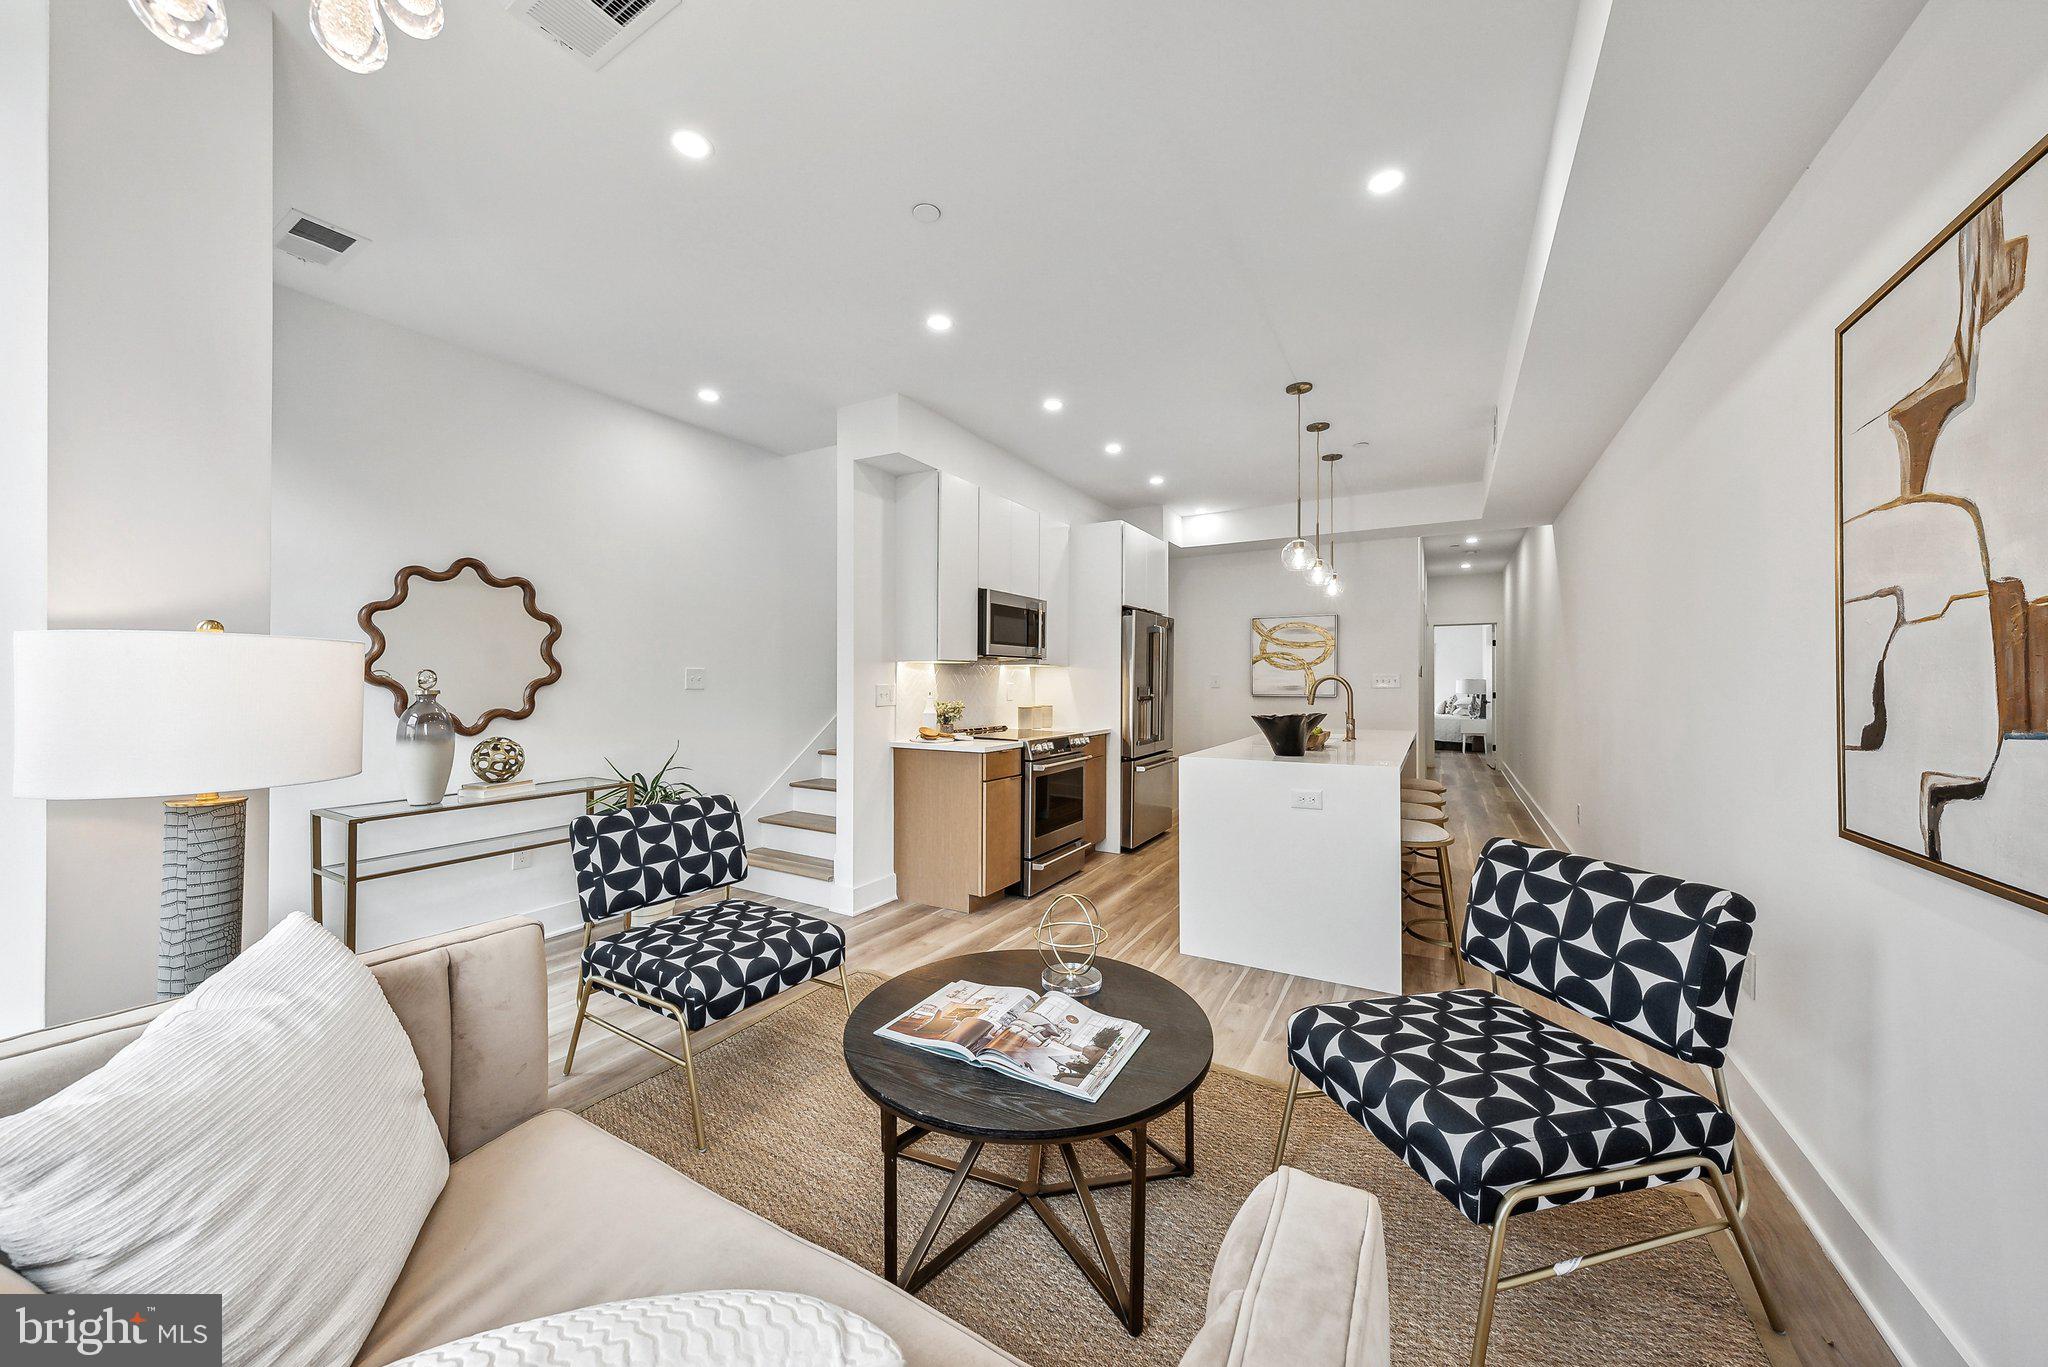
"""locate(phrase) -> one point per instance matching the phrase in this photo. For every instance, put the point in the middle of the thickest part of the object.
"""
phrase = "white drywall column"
(151, 477)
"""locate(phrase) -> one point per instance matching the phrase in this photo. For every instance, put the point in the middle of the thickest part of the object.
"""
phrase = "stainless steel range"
(1055, 810)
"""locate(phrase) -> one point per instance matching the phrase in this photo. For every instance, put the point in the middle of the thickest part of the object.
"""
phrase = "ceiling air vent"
(310, 240)
(594, 30)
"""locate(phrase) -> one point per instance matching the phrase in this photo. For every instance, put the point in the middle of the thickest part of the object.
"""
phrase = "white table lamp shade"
(106, 714)
(1473, 686)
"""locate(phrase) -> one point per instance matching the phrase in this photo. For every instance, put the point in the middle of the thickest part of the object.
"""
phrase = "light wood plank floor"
(1137, 896)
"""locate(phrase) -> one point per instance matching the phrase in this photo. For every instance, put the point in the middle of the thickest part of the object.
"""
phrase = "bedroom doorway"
(1466, 699)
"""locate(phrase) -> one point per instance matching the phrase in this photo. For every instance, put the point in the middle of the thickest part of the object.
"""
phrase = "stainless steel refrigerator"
(1151, 773)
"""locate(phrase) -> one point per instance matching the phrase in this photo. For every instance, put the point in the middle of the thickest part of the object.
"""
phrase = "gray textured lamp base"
(199, 923)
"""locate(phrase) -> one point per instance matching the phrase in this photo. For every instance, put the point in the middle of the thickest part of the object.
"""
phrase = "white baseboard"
(1919, 1335)
(874, 893)
(1543, 822)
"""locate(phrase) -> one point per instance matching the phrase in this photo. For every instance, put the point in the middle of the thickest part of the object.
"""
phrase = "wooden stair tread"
(818, 785)
(786, 861)
(833, 750)
(806, 821)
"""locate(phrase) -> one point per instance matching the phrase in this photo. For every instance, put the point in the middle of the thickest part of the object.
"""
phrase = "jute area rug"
(795, 1141)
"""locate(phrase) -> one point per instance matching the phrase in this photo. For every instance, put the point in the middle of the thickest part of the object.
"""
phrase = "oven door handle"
(1058, 767)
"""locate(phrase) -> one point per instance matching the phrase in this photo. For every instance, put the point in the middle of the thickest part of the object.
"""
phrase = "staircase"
(790, 852)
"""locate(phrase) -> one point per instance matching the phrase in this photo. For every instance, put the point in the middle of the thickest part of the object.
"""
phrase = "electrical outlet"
(522, 859)
(1749, 976)
(1215, 681)
(1307, 800)
(693, 677)
(1578, 815)
(885, 695)
(1386, 681)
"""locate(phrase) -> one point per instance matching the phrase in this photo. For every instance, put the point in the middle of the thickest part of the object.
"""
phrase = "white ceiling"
(1153, 209)
(1450, 554)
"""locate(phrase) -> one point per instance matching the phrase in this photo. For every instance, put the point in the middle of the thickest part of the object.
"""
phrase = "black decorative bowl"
(1287, 732)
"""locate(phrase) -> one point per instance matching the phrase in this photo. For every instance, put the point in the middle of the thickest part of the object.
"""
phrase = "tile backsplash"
(991, 692)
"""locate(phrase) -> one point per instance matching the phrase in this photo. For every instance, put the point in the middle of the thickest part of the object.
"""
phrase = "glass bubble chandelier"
(1318, 569)
(352, 32)
(1296, 554)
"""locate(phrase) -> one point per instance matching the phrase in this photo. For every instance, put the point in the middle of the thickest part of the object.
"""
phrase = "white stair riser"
(787, 886)
(812, 800)
(828, 766)
(795, 839)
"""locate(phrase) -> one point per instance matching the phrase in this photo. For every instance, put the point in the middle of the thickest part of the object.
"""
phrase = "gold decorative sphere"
(497, 759)
(1068, 945)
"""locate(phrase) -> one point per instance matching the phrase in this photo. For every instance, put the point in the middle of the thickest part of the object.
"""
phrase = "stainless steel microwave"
(1012, 627)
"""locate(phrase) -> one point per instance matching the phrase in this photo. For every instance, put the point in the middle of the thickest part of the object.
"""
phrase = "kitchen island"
(1294, 864)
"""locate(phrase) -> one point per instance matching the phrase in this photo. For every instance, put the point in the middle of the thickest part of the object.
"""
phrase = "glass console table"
(352, 870)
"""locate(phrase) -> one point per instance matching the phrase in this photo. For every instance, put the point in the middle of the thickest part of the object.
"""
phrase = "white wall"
(24, 471)
(1462, 652)
(1893, 1061)
(1215, 598)
(658, 544)
(1466, 597)
(138, 459)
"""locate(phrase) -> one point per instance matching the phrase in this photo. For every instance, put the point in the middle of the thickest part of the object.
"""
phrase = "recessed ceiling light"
(1157, 479)
(1115, 448)
(690, 143)
(1386, 182)
(926, 212)
(707, 396)
(1471, 540)
(939, 322)
(1466, 566)
(1053, 405)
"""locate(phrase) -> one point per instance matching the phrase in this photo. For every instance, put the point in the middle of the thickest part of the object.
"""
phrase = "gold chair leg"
(690, 1077)
(1443, 865)
(1490, 1288)
(1286, 1116)
(845, 990)
(582, 1005)
(1732, 1212)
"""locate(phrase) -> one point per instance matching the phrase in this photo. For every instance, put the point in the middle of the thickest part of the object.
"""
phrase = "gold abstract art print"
(1941, 551)
(1285, 649)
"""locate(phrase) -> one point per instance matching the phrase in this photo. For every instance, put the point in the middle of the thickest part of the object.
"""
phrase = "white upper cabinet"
(1009, 547)
(1053, 540)
(1145, 560)
(936, 567)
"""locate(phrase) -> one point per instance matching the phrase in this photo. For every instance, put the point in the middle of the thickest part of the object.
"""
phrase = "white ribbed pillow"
(267, 1138)
(685, 1329)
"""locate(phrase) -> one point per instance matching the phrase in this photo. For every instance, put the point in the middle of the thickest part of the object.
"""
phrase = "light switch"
(1215, 681)
(885, 695)
(1307, 800)
(693, 677)
(1386, 681)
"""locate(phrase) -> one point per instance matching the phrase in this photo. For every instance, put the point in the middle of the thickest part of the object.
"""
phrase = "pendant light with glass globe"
(1333, 585)
(1296, 554)
(1318, 571)
(351, 32)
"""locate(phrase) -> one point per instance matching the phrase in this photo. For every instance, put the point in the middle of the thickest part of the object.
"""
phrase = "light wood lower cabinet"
(959, 826)
(1095, 791)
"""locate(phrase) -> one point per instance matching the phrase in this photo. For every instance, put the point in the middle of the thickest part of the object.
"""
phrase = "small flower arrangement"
(949, 714)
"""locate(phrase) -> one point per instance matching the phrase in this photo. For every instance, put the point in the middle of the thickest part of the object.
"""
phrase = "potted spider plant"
(638, 789)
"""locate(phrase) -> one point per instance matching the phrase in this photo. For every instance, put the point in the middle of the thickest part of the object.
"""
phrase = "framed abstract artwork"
(1286, 649)
(1941, 551)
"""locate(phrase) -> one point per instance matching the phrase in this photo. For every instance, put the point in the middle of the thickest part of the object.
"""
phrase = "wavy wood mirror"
(484, 635)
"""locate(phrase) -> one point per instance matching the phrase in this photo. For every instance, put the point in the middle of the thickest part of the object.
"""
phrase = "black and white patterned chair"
(1502, 1111)
(699, 964)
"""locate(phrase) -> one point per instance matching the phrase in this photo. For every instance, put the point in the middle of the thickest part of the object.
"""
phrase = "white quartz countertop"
(1372, 748)
(965, 747)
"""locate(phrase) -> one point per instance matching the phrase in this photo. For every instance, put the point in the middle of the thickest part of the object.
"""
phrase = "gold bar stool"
(1427, 785)
(1430, 842)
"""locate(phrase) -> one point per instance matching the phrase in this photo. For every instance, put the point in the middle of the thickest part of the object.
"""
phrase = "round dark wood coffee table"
(922, 1094)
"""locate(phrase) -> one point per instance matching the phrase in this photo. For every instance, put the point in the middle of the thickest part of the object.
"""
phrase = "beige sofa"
(531, 1221)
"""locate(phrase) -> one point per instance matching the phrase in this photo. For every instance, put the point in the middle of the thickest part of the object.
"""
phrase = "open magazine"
(1048, 1039)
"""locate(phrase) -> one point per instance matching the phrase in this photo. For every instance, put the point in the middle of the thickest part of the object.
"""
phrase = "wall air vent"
(595, 31)
(312, 241)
